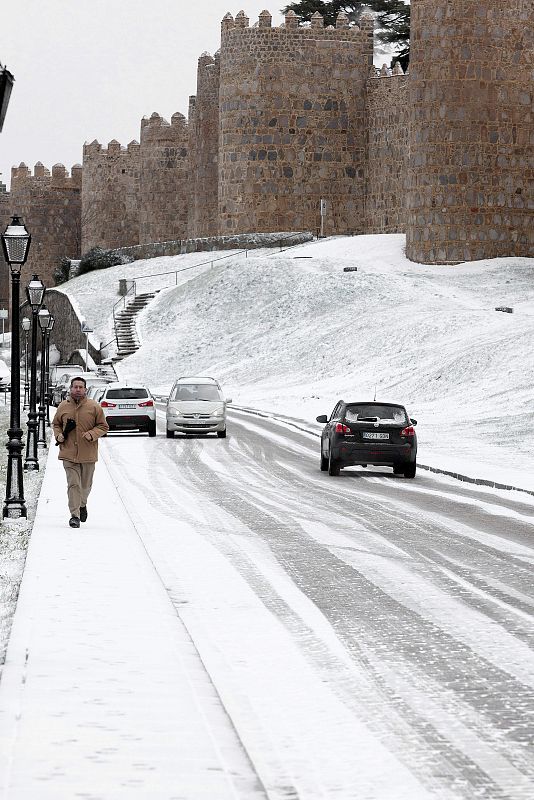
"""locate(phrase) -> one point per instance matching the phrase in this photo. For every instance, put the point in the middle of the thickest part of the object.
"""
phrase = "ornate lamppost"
(26, 325)
(35, 292)
(44, 316)
(16, 245)
(48, 331)
(6, 85)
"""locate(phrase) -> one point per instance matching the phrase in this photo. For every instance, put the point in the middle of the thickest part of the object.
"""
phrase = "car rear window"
(378, 412)
(196, 391)
(126, 393)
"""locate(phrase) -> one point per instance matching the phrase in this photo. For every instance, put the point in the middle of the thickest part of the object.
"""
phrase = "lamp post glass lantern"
(35, 292)
(44, 317)
(26, 325)
(16, 245)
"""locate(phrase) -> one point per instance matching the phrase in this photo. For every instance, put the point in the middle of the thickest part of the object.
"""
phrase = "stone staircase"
(125, 327)
(107, 370)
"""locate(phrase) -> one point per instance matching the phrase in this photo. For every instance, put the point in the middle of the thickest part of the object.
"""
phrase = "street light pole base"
(14, 510)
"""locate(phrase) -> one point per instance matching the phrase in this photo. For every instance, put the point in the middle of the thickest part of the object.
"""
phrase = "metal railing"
(233, 254)
(132, 291)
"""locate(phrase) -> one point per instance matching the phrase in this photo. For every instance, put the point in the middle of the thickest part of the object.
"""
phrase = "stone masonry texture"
(292, 124)
(204, 149)
(470, 179)
(387, 125)
(163, 189)
(284, 116)
(50, 205)
(110, 197)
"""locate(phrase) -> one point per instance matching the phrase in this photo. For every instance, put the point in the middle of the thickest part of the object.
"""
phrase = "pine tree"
(393, 19)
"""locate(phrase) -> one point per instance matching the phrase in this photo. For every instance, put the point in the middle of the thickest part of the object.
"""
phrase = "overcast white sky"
(90, 69)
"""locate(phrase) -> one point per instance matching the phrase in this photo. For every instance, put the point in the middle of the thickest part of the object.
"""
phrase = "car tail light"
(106, 404)
(340, 428)
(409, 431)
(147, 403)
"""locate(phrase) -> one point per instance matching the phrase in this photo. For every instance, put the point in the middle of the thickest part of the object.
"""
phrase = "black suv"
(364, 433)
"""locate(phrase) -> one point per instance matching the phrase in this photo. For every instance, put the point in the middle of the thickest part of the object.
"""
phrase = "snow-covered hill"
(292, 332)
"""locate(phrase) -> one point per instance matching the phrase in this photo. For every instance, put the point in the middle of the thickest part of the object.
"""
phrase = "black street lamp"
(48, 331)
(6, 84)
(16, 245)
(26, 325)
(35, 292)
(44, 316)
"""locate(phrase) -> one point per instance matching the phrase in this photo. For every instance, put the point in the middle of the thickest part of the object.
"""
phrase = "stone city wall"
(471, 101)
(292, 124)
(50, 204)
(204, 149)
(387, 122)
(288, 115)
(110, 198)
(164, 193)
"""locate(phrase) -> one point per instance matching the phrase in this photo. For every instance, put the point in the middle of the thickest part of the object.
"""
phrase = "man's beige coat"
(89, 418)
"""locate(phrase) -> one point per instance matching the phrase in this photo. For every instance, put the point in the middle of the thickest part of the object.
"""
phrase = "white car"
(196, 405)
(5, 376)
(129, 407)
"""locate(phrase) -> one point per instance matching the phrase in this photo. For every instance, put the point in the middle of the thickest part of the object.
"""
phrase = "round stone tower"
(203, 149)
(292, 124)
(163, 191)
(471, 157)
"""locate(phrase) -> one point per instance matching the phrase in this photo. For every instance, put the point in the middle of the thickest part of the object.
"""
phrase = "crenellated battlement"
(164, 164)
(341, 30)
(387, 72)
(58, 177)
(94, 149)
(290, 113)
(156, 128)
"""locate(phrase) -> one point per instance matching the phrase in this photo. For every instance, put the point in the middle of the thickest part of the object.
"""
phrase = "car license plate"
(125, 405)
(369, 435)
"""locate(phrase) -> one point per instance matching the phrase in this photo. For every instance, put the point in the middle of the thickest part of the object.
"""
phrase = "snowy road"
(368, 635)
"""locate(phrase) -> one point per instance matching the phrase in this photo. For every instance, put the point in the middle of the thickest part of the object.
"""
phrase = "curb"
(456, 475)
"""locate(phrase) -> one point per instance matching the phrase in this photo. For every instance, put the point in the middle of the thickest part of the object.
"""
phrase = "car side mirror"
(322, 418)
(413, 421)
(228, 400)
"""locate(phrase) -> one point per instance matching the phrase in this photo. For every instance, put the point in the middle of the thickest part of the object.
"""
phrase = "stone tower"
(50, 205)
(204, 147)
(164, 193)
(110, 196)
(292, 124)
(470, 180)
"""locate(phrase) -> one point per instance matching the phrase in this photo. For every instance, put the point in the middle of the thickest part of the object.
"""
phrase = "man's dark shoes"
(74, 522)
(83, 513)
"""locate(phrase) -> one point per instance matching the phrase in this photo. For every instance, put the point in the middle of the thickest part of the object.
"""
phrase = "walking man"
(78, 424)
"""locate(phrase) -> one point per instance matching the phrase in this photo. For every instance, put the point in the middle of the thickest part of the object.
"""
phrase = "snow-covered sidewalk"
(103, 694)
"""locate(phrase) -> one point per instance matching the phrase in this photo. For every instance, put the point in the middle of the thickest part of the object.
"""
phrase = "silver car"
(196, 404)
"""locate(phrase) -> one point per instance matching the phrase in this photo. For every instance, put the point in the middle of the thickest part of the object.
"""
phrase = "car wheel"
(152, 428)
(410, 470)
(324, 461)
(333, 466)
(170, 434)
(398, 469)
(222, 434)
